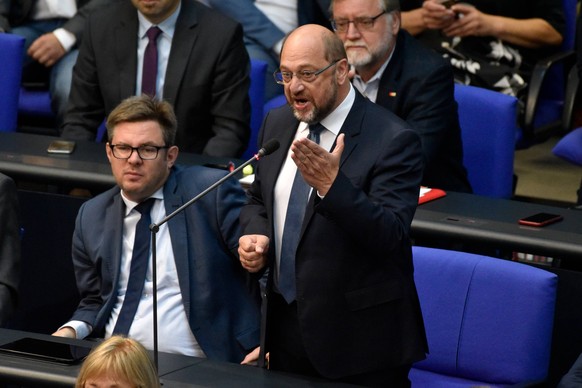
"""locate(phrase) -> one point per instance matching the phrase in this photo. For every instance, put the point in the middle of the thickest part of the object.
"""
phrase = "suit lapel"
(182, 44)
(179, 237)
(351, 128)
(388, 89)
(125, 41)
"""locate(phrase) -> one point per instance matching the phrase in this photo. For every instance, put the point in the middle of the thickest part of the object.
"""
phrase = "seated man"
(52, 30)
(490, 43)
(395, 71)
(9, 248)
(196, 60)
(205, 308)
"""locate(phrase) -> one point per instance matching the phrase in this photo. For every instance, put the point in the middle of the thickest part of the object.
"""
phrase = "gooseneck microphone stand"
(269, 147)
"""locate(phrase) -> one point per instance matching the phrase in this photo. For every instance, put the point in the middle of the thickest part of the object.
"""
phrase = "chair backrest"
(545, 101)
(488, 123)
(257, 97)
(12, 49)
(488, 321)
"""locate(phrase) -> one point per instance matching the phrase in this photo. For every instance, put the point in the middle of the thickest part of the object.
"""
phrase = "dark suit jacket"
(418, 87)
(207, 78)
(9, 248)
(222, 313)
(356, 300)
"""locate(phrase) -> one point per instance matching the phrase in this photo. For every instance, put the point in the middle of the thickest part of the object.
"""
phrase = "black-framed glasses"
(362, 24)
(284, 77)
(145, 152)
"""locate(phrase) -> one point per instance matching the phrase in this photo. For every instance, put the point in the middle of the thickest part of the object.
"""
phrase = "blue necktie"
(150, 62)
(139, 266)
(292, 229)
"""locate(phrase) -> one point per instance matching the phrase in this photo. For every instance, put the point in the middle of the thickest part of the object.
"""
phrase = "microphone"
(268, 148)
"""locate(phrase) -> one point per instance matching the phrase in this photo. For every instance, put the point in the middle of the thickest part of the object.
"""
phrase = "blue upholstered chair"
(257, 97)
(544, 104)
(11, 47)
(274, 102)
(488, 321)
(570, 147)
(488, 123)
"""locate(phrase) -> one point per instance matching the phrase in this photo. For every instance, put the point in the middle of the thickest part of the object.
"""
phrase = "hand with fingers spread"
(318, 166)
(252, 250)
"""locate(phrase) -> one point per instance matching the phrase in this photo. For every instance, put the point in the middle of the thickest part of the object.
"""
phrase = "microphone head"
(268, 148)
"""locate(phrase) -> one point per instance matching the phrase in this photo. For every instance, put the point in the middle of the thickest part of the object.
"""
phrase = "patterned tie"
(139, 266)
(292, 229)
(150, 62)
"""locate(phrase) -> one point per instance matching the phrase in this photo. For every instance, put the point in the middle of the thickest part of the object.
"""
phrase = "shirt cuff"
(66, 39)
(82, 329)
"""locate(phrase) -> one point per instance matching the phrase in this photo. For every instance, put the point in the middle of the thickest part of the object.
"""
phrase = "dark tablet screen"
(46, 350)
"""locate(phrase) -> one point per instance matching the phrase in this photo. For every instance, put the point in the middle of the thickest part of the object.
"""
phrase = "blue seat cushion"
(570, 147)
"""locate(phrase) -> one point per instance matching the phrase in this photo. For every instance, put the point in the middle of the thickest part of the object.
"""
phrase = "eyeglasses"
(362, 24)
(284, 77)
(145, 152)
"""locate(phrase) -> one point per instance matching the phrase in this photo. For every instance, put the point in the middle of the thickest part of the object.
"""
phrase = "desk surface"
(25, 156)
(175, 370)
(494, 222)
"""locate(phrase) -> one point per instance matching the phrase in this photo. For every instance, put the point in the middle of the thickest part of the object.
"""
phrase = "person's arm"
(531, 33)
(9, 248)
(257, 26)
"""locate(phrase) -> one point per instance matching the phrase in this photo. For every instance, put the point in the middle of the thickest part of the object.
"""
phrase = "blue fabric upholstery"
(11, 47)
(488, 321)
(274, 102)
(35, 103)
(570, 147)
(488, 122)
(257, 97)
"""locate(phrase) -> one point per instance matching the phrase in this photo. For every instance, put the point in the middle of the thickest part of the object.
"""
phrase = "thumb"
(339, 145)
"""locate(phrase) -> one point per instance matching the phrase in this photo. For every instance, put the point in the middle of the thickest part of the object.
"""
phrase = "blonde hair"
(121, 358)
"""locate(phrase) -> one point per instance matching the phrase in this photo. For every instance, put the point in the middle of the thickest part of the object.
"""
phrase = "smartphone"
(61, 147)
(449, 3)
(540, 219)
(46, 350)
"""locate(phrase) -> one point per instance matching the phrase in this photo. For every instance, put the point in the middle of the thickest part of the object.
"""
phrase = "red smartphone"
(540, 219)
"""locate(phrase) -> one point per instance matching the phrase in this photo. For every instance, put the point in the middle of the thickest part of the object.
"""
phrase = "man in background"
(181, 51)
(395, 71)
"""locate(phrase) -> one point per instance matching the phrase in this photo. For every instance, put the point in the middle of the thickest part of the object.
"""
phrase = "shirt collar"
(129, 204)
(168, 26)
(333, 122)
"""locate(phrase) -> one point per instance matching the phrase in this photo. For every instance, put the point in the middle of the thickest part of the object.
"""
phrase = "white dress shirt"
(333, 123)
(370, 89)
